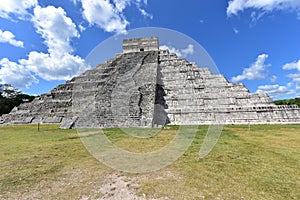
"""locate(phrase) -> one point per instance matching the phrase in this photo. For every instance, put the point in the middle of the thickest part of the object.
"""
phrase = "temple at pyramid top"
(140, 44)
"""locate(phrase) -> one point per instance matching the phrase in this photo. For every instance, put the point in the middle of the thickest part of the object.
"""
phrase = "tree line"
(295, 101)
(11, 97)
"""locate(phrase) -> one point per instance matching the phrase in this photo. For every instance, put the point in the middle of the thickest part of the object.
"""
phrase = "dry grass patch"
(262, 163)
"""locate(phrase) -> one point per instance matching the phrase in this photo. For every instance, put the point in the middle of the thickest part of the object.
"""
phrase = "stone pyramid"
(148, 87)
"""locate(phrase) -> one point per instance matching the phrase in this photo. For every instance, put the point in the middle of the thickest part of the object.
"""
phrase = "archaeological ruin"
(148, 87)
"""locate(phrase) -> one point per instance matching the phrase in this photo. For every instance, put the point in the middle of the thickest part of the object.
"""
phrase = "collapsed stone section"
(146, 87)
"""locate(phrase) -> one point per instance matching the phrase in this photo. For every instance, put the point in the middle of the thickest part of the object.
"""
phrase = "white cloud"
(276, 91)
(143, 11)
(54, 66)
(296, 79)
(236, 6)
(58, 63)
(235, 30)
(255, 71)
(255, 16)
(109, 15)
(57, 30)
(273, 79)
(171, 50)
(295, 76)
(9, 37)
(145, 14)
(103, 14)
(15, 74)
(55, 27)
(16, 7)
(284, 91)
(189, 50)
(121, 4)
(81, 27)
(292, 65)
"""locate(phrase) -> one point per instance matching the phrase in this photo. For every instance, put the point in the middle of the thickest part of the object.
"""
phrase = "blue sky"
(43, 43)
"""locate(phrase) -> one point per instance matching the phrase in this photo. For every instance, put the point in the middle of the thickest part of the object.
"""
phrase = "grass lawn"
(261, 163)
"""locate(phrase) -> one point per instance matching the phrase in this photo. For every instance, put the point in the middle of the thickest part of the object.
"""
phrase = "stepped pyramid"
(148, 87)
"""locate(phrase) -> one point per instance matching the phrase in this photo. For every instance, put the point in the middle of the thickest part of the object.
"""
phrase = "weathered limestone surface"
(125, 96)
(140, 45)
(145, 87)
(196, 96)
(48, 108)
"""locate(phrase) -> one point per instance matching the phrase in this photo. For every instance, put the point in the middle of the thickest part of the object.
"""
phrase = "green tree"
(295, 101)
(11, 97)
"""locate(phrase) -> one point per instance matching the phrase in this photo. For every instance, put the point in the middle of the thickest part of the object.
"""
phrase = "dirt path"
(119, 187)
(76, 185)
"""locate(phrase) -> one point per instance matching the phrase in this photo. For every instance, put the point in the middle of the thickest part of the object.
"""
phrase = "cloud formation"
(255, 72)
(121, 4)
(57, 30)
(9, 37)
(17, 74)
(276, 91)
(145, 14)
(236, 6)
(189, 50)
(284, 91)
(273, 79)
(55, 27)
(108, 15)
(292, 65)
(235, 30)
(17, 8)
(103, 14)
(295, 76)
(58, 63)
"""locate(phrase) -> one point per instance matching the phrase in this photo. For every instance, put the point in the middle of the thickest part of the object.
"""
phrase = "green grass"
(261, 163)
